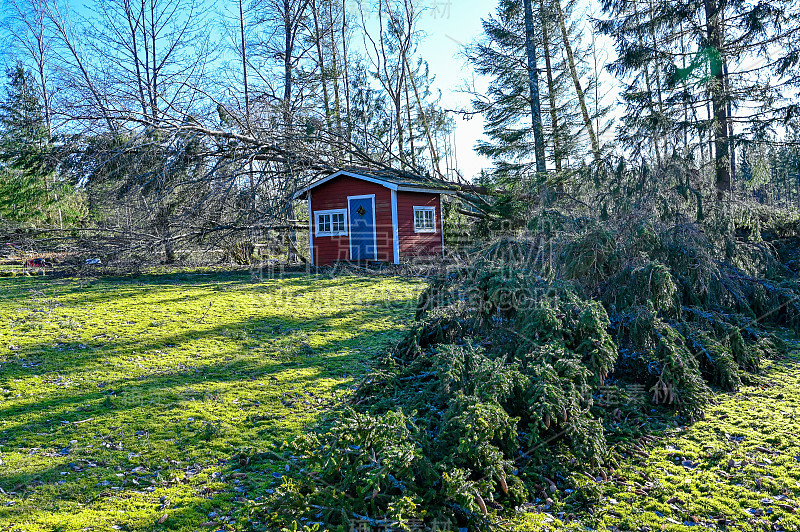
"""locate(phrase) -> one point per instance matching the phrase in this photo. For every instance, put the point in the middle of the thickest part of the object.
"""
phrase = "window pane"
(424, 219)
(332, 223)
(338, 222)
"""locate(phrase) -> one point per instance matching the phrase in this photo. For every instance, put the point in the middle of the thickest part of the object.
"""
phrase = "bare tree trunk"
(399, 120)
(551, 91)
(722, 171)
(134, 21)
(410, 126)
(321, 63)
(288, 50)
(709, 136)
(245, 81)
(346, 68)
(396, 92)
(533, 85)
(153, 35)
(244, 66)
(335, 64)
(426, 125)
(291, 21)
(39, 10)
(40, 52)
(731, 141)
(685, 88)
(576, 80)
(455, 152)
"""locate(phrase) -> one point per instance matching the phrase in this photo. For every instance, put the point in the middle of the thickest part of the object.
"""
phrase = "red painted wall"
(333, 195)
(418, 244)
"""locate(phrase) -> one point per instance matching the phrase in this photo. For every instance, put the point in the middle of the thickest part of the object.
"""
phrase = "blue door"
(361, 210)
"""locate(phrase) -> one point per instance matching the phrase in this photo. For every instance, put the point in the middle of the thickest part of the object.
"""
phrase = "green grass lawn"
(154, 402)
(736, 470)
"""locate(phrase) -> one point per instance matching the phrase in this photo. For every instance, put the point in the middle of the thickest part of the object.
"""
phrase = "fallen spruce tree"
(536, 363)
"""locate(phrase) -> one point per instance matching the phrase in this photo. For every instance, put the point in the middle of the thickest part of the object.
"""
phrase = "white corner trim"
(317, 215)
(424, 209)
(395, 228)
(310, 231)
(441, 221)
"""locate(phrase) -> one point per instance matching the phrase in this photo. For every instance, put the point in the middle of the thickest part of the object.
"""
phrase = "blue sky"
(448, 26)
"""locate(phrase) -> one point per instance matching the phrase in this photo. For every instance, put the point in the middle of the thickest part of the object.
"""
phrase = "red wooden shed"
(381, 215)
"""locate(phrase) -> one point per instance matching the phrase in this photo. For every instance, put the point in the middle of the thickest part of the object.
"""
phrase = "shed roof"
(392, 179)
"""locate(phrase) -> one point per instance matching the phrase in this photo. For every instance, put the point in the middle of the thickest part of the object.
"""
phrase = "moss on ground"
(154, 402)
(737, 469)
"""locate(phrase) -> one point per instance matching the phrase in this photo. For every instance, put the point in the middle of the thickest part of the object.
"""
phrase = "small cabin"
(375, 215)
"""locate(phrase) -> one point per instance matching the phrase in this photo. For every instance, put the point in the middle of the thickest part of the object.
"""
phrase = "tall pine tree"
(705, 73)
(507, 106)
(25, 162)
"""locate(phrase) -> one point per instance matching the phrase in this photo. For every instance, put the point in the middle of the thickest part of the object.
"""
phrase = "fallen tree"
(541, 356)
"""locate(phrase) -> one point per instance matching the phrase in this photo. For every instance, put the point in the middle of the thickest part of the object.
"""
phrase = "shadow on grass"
(70, 357)
(104, 289)
(90, 407)
(67, 363)
(93, 411)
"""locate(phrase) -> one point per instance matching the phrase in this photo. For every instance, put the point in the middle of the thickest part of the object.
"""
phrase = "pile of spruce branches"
(526, 367)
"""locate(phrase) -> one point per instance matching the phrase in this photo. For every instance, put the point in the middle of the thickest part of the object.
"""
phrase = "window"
(424, 219)
(331, 223)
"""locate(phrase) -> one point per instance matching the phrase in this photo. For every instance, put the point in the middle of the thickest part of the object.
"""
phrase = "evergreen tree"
(696, 68)
(507, 106)
(25, 162)
(533, 85)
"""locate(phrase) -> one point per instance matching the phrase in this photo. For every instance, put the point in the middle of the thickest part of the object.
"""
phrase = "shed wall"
(413, 245)
(333, 195)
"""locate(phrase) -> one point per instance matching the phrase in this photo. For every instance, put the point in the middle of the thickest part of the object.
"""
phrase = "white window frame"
(330, 212)
(432, 210)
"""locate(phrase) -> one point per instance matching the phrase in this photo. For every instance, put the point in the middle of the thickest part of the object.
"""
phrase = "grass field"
(157, 402)
(736, 470)
(153, 402)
